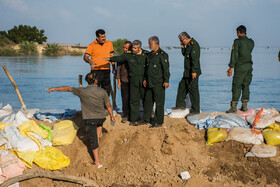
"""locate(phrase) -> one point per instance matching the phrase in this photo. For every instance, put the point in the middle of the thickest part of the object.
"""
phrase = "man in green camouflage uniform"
(156, 80)
(189, 82)
(241, 62)
(136, 69)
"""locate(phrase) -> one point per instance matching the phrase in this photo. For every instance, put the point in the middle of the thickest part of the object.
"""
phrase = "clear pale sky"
(211, 22)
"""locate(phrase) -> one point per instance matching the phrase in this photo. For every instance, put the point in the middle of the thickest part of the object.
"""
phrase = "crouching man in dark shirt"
(93, 99)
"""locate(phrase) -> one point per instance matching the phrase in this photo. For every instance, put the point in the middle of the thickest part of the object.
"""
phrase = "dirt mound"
(141, 156)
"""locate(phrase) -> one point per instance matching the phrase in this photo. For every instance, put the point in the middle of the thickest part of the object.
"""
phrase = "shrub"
(53, 50)
(8, 51)
(28, 48)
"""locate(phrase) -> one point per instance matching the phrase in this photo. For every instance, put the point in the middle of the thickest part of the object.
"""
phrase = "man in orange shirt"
(95, 54)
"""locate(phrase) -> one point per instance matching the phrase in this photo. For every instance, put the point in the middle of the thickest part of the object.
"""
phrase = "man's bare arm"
(60, 89)
(110, 110)
(88, 60)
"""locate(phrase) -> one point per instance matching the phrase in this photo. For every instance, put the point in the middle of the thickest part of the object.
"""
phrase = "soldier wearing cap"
(241, 62)
(189, 82)
(156, 81)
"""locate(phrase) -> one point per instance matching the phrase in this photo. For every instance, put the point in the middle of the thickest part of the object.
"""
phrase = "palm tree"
(28, 48)
(52, 50)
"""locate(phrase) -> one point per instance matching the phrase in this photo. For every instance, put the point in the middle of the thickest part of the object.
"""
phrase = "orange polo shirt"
(97, 51)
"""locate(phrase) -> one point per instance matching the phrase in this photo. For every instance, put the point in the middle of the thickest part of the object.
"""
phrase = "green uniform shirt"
(93, 100)
(192, 55)
(241, 57)
(157, 71)
(136, 65)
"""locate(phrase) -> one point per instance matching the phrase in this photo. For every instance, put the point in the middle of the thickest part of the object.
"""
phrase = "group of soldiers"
(144, 76)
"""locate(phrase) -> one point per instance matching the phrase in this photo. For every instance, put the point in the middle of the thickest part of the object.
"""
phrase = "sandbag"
(10, 165)
(47, 129)
(277, 118)
(179, 113)
(5, 111)
(31, 127)
(26, 157)
(215, 135)
(245, 135)
(18, 141)
(262, 151)
(16, 119)
(3, 125)
(51, 158)
(263, 122)
(269, 111)
(199, 118)
(64, 132)
(227, 121)
(43, 142)
(272, 135)
(249, 112)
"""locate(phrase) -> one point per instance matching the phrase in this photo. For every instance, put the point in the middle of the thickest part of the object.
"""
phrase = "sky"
(212, 23)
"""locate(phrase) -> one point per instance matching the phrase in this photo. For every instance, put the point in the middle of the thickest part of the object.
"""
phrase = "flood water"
(33, 74)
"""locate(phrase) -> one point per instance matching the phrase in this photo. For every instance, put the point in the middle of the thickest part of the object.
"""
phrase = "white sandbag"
(277, 118)
(16, 119)
(5, 111)
(245, 135)
(268, 111)
(264, 121)
(4, 140)
(262, 151)
(18, 141)
(199, 118)
(179, 113)
(228, 121)
(44, 142)
(29, 113)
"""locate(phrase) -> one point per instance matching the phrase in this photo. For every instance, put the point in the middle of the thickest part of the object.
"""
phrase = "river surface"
(33, 74)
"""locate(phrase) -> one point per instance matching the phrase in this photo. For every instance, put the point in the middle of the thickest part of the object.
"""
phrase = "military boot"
(244, 105)
(233, 106)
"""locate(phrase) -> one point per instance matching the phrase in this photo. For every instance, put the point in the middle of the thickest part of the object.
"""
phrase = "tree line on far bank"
(24, 40)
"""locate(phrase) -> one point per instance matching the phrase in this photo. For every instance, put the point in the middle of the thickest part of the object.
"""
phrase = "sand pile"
(140, 156)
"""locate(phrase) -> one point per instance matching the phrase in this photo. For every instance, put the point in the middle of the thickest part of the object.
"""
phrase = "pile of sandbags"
(23, 141)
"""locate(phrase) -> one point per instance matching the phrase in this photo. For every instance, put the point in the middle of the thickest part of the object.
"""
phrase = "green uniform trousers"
(241, 81)
(136, 94)
(155, 94)
(188, 86)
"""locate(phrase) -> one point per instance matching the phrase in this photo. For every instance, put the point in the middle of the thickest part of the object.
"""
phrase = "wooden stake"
(15, 86)
(57, 176)
(81, 80)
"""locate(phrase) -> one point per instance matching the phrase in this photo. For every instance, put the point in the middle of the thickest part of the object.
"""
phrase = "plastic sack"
(26, 157)
(269, 111)
(47, 129)
(263, 122)
(199, 118)
(179, 113)
(18, 141)
(215, 135)
(51, 158)
(249, 112)
(43, 142)
(10, 165)
(4, 141)
(16, 119)
(64, 132)
(272, 135)
(277, 118)
(262, 151)
(30, 126)
(5, 111)
(245, 135)
(3, 125)
(227, 121)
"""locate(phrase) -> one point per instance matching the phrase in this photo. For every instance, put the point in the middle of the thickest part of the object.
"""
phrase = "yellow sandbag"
(3, 125)
(27, 157)
(64, 132)
(272, 135)
(51, 158)
(31, 126)
(215, 135)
